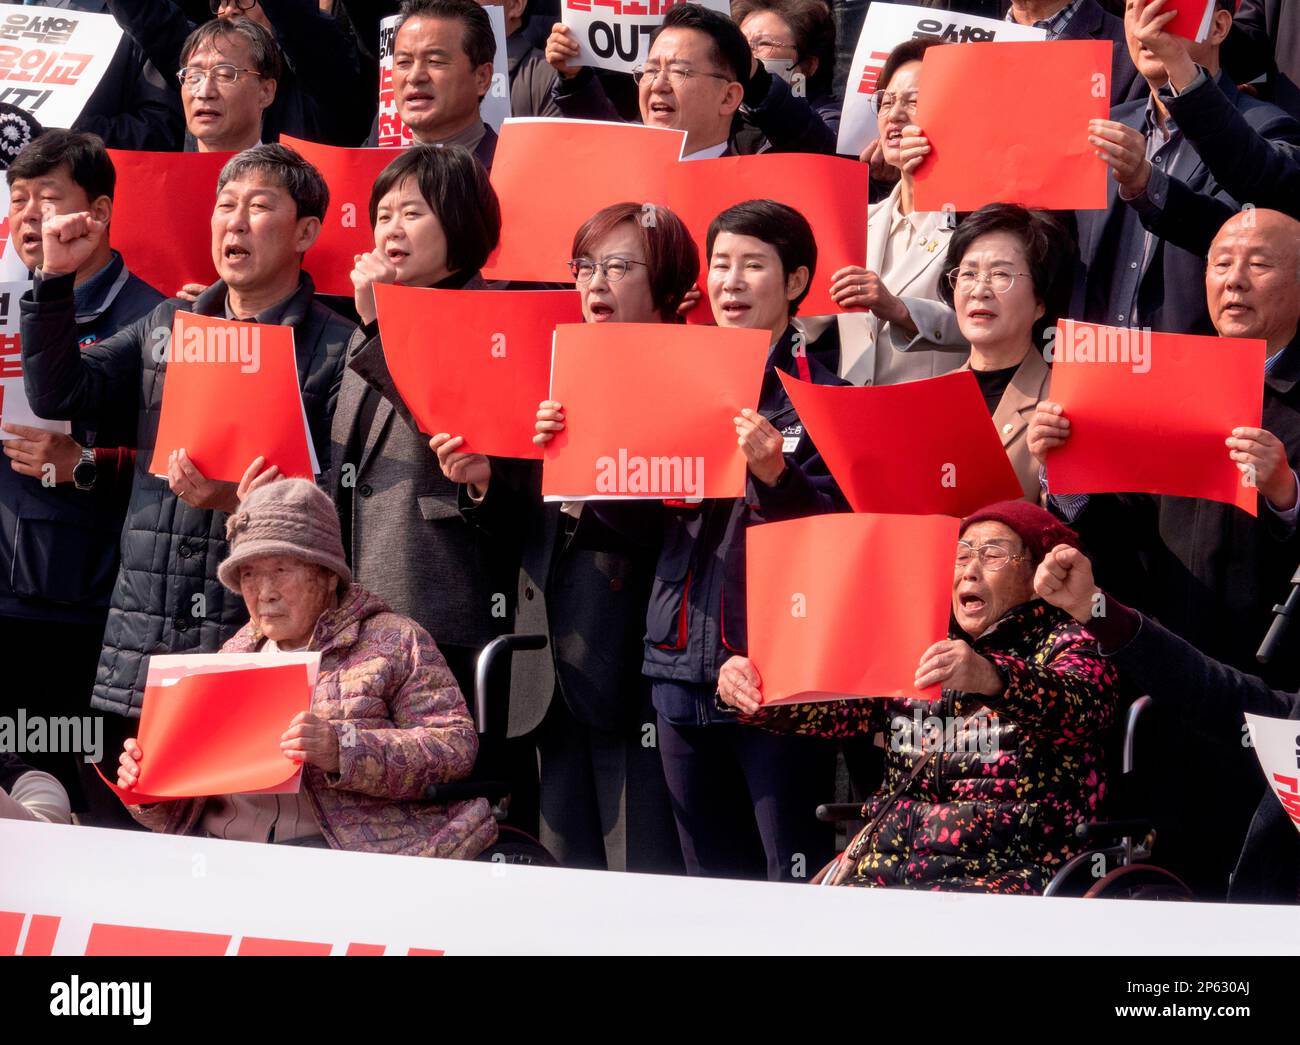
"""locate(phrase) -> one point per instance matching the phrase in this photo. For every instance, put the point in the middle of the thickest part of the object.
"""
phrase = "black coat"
(167, 598)
(1172, 289)
(1212, 698)
(1091, 22)
(135, 105)
(583, 585)
(1265, 40)
(58, 544)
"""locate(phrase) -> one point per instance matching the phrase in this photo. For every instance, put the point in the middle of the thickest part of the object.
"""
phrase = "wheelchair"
(487, 780)
(1116, 863)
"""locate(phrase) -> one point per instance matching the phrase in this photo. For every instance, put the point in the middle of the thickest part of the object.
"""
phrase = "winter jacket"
(167, 597)
(402, 726)
(696, 616)
(58, 544)
(995, 807)
(531, 79)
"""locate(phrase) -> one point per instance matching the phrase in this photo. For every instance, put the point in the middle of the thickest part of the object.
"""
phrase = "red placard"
(829, 191)
(217, 733)
(232, 395)
(648, 410)
(1149, 412)
(1192, 15)
(603, 163)
(1008, 122)
(951, 461)
(162, 215)
(485, 368)
(346, 231)
(844, 605)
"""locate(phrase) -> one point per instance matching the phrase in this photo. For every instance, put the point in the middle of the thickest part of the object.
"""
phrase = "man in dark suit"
(1265, 41)
(1131, 274)
(1084, 20)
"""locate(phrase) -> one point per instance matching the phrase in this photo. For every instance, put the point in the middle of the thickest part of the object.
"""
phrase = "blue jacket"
(58, 544)
(1171, 294)
(696, 616)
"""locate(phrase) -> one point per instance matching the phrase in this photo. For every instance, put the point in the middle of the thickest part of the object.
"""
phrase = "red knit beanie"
(1037, 527)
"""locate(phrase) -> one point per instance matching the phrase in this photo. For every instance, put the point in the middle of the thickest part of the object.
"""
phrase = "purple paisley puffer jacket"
(402, 725)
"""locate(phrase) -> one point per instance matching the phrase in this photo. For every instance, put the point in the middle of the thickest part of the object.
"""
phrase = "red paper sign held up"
(1123, 389)
(1192, 16)
(844, 605)
(1035, 150)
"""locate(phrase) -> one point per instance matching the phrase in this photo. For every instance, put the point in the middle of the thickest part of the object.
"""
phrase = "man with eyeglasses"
(698, 74)
(228, 77)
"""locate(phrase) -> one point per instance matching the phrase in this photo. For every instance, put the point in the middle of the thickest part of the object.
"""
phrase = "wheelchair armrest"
(483, 666)
(1111, 830)
(836, 812)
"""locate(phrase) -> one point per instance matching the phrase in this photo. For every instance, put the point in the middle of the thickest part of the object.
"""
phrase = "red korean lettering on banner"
(871, 72)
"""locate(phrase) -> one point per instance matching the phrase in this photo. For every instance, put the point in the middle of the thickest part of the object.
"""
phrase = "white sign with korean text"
(615, 34)
(14, 408)
(494, 108)
(887, 26)
(1277, 745)
(52, 59)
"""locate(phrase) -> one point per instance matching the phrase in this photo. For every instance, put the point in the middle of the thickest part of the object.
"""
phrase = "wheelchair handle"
(502, 643)
(1102, 829)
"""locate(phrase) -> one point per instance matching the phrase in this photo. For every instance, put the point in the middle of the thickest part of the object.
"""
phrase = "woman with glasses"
(1008, 277)
(984, 787)
(898, 330)
(794, 40)
(583, 700)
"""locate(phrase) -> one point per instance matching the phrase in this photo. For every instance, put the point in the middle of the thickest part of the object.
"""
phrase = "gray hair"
(262, 47)
(296, 176)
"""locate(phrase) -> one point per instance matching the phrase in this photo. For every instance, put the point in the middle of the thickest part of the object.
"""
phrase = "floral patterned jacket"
(995, 806)
(402, 725)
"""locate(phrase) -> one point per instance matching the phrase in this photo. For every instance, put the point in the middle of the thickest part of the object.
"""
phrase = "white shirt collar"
(711, 153)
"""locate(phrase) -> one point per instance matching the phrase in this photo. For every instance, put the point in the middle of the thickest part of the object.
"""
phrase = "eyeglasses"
(223, 74)
(613, 269)
(992, 557)
(768, 43)
(677, 74)
(886, 100)
(965, 280)
(243, 5)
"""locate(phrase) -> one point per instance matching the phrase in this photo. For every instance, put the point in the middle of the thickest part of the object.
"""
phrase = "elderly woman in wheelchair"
(984, 787)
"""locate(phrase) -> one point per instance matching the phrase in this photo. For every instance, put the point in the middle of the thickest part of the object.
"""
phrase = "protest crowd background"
(657, 728)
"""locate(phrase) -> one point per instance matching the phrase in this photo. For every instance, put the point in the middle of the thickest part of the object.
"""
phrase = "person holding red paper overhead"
(268, 210)
(742, 798)
(983, 788)
(1007, 277)
(585, 585)
(1206, 571)
(387, 721)
(436, 219)
(902, 331)
(442, 68)
(1181, 160)
(698, 72)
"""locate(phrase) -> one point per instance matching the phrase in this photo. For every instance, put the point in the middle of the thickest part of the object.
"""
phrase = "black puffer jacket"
(167, 598)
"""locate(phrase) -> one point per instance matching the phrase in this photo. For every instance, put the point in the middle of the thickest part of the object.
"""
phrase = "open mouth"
(734, 309)
(981, 314)
(971, 602)
(1236, 309)
(205, 113)
(894, 136)
(600, 312)
(234, 252)
(396, 256)
(661, 110)
(417, 99)
(31, 239)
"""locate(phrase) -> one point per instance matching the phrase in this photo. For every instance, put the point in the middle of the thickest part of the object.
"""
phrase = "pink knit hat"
(288, 517)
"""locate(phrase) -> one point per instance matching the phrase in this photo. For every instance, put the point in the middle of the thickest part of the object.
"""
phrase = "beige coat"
(1015, 410)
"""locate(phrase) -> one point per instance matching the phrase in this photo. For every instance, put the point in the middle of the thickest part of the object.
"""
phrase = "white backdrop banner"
(82, 890)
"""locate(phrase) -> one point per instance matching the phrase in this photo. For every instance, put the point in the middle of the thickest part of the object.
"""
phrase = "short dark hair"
(781, 227)
(907, 51)
(456, 188)
(811, 24)
(672, 258)
(730, 51)
(296, 176)
(1049, 251)
(477, 39)
(264, 52)
(84, 156)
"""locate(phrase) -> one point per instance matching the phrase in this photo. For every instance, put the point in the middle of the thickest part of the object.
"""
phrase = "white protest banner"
(887, 26)
(170, 894)
(1277, 745)
(615, 34)
(12, 267)
(51, 59)
(494, 108)
(14, 408)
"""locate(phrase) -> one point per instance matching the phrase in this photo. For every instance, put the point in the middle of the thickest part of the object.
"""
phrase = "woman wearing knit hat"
(984, 786)
(387, 720)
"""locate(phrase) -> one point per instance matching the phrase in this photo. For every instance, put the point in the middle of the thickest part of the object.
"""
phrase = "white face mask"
(781, 67)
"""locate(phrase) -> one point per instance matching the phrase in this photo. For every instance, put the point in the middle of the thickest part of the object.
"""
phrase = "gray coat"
(408, 541)
(167, 598)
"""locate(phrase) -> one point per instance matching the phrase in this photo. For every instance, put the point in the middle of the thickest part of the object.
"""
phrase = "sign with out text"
(615, 34)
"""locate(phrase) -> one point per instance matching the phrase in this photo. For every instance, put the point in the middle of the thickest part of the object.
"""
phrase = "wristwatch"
(83, 475)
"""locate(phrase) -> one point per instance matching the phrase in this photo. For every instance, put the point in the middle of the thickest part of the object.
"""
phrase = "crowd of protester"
(638, 738)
